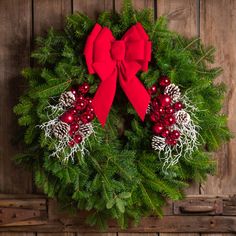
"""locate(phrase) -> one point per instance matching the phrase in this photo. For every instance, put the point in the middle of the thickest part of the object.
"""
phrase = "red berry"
(74, 127)
(78, 138)
(90, 116)
(81, 105)
(67, 117)
(87, 117)
(154, 117)
(73, 111)
(174, 142)
(169, 120)
(76, 118)
(153, 89)
(158, 115)
(80, 98)
(90, 109)
(178, 106)
(155, 104)
(161, 110)
(89, 100)
(86, 85)
(170, 141)
(71, 132)
(169, 110)
(71, 143)
(84, 88)
(175, 134)
(73, 90)
(164, 81)
(165, 133)
(157, 128)
(83, 118)
(164, 100)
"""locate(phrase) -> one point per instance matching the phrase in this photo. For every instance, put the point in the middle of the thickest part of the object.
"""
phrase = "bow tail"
(137, 95)
(104, 97)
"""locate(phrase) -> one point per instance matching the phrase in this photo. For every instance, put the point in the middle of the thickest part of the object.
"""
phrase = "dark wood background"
(23, 20)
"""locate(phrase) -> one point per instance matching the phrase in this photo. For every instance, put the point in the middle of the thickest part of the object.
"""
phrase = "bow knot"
(122, 59)
(118, 50)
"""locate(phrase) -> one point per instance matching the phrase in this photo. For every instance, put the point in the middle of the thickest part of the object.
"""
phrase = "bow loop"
(135, 50)
(111, 58)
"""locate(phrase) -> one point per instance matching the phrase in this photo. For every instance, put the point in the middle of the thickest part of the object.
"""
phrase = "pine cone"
(60, 129)
(173, 91)
(86, 129)
(67, 99)
(158, 143)
(182, 117)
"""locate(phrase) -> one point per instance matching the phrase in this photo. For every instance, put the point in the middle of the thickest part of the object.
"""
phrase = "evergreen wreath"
(128, 168)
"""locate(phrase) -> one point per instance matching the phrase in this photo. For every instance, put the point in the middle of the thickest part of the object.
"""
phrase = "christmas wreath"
(120, 115)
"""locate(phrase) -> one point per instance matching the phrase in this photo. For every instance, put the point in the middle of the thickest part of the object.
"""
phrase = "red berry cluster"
(81, 112)
(162, 112)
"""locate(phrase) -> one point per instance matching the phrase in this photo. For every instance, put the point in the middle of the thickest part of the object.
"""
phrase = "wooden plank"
(223, 205)
(47, 14)
(50, 13)
(56, 234)
(37, 204)
(169, 224)
(182, 18)
(179, 234)
(138, 4)
(92, 7)
(16, 234)
(21, 196)
(96, 234)
(221, 219)
(182, 15)
(23, 211)
(218, 28)
(217, 234)
(15, 33)
(137, 234)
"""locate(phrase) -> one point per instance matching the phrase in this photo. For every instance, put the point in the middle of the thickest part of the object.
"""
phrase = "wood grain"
(48, 219)
(16, 234)
(27, 203)
(137, 234)
(182, 15)
(169, 224)
(179, 234)
(47, 14)
(56, 234)
(50, 13)
(138, 4)
(218, 28)
(15, 33)
(217, 234)
(96, 234)
(182, 18)
(92, 7)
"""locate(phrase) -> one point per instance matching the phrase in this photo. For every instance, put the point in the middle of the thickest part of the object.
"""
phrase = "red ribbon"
(111, 58)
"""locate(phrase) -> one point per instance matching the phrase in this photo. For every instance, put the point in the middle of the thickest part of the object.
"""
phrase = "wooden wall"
(22, 20)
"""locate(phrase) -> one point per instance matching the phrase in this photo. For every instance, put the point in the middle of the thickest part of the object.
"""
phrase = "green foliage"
(121, 177)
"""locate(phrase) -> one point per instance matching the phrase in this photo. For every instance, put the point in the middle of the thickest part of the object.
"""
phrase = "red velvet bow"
(111, 58)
